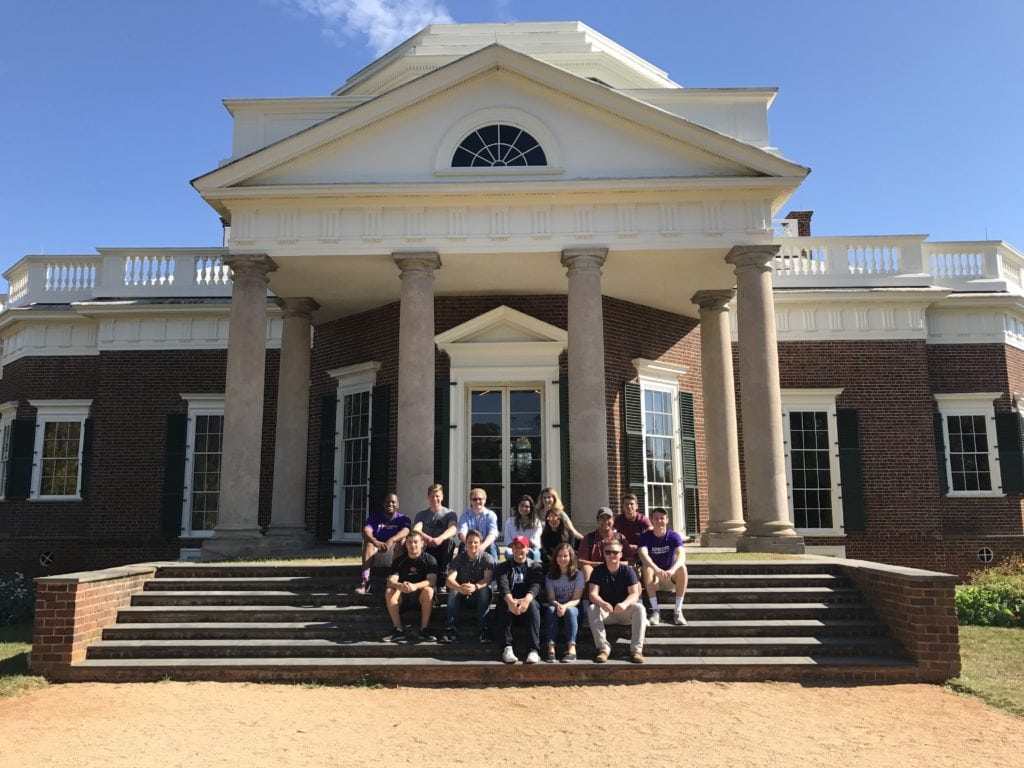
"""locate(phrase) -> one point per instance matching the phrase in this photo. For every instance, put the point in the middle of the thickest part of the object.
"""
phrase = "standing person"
(411, 583)
(438, 524)
(564, 586)
(614, 592)
(629, 522)
(469, 581)
(479, 518)
(553, 533)
(383, 534)
(524, 522)
(663, 566)
(591, 549)
(548, 501)
(520, 581)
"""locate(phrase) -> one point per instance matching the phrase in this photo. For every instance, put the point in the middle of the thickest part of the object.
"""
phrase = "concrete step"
(339, 584)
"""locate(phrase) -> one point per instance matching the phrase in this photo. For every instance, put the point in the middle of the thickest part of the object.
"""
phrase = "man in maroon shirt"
(629, 522)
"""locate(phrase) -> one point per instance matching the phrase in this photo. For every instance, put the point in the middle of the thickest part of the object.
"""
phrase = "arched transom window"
(498, 144)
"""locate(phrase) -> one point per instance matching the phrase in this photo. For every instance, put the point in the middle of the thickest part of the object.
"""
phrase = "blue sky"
(910, 112)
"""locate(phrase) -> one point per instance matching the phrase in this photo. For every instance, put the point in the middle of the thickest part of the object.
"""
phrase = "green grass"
(15, 643)
(992, 667)
(693, 556)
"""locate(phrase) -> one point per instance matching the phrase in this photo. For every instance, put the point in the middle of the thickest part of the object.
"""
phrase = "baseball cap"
(521, 541)
(604, 512)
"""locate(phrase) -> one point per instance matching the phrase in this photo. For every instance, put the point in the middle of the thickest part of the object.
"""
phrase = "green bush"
(17, 599)
(993, 597)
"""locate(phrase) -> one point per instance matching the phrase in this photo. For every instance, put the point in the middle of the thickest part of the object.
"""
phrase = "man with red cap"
(520, 581)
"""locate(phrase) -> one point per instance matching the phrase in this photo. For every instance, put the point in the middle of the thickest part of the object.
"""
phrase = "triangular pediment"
(395, 138)
(502, 325)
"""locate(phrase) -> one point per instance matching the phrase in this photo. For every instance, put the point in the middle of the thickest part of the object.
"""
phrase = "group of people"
(549, 569)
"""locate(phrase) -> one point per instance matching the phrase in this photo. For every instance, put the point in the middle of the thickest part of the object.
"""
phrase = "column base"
(790, 545)
(248, 544)
(289, 542)
(720, 539)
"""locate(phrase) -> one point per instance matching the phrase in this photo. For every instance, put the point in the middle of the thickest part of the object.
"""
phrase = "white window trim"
(815, 400)
(57, 410)
(8, 413)
(972, 404)
(509, 115)
(199, 404)
(664, 377)
(351, 380)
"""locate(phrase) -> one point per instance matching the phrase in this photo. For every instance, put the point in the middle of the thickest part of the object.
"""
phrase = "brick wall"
(71, 611)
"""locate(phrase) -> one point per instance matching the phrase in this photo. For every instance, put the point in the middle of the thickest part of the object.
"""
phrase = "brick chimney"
(803, 222)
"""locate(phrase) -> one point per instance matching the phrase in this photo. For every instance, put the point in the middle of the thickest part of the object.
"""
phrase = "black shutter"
(851, 483)
(379, 445)
(940, 453)
(83, 489)
(325, 471)
(688, 449)
(19, 469)
(563, 440)
(633, 425)
(1011, 457)
(442, 431)
(174, 474)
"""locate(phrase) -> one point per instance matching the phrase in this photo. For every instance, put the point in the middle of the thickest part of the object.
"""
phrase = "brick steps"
(778, 620)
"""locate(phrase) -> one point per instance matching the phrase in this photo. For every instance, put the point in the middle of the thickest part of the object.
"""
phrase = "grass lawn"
(993, 667)
(15, 643)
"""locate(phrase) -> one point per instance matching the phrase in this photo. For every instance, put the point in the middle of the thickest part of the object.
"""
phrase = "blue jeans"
(571, 619)
(483, 606)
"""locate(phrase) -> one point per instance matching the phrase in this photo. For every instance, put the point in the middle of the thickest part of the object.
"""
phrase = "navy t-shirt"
(414, 571)
(613, 587)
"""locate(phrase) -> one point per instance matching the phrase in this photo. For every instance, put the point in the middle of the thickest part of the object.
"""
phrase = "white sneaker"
(678, 619)
(532, 657)
(508, 655)
(654, 617)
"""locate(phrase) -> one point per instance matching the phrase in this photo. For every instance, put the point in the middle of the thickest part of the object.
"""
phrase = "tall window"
(355, 458)
(812, 459)
(204, 451)
(60, 432)
(8, 412)
(659, 448)
(498, 144)
(968, 433)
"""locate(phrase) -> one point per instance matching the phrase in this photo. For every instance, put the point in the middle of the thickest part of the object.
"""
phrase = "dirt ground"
(672, 724)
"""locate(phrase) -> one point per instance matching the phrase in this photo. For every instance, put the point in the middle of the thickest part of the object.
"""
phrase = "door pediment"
(503, 337)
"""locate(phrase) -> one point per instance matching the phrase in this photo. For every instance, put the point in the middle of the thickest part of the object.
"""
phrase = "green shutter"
(174, 474)
(442, 431)
(688, 449)
(851, 484)
(380, 443)
(19, 470)
(1011, 457)
(633, 424)
(940, 453)
(563, 440)
(325, 470)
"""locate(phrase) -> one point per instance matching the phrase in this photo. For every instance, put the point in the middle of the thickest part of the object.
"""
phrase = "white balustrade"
(144, 269)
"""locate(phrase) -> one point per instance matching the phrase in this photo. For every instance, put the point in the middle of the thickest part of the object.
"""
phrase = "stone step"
(433, 671)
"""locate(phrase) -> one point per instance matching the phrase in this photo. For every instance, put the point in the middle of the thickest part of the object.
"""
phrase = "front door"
(505, 444)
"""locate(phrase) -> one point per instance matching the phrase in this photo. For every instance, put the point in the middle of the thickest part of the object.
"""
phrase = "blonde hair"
(555, 505)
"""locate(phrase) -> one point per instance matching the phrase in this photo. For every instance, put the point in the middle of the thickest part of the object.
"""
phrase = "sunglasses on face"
(612, 552)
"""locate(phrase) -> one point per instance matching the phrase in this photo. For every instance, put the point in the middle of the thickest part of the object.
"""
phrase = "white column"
(287, 530)
(721, 440)
(415, 469)
(237, 533)
(588, 420)
(769, 528)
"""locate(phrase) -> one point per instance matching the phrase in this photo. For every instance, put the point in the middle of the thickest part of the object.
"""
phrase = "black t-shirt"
(414, 571)
(613, 587)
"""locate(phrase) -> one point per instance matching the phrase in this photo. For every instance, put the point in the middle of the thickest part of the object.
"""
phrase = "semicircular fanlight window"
(498, 144)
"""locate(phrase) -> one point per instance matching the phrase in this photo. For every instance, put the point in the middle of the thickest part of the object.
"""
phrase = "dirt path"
(702, 724)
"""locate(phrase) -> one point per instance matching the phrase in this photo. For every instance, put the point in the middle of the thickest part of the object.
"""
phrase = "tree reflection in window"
(498, 145)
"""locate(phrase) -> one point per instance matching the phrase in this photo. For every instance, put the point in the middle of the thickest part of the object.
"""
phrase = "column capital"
(716, 299)
(417, 261)
(250, 263)
(583, 258)
(758, 256)
(297, 306)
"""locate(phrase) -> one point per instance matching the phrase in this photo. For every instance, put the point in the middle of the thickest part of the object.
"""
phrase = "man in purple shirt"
(383, 535)
(663, 565)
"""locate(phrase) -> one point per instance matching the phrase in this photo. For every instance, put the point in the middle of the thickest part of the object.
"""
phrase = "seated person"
(519, 583)
(383, 534)
(439, 525)
(411, 583)
(614, 592)
(663, 565)
(553, 533)
(564, 586)
(549, 501)
(469, 581)
(629, 522)
(591, 549)
(479, 518)
(525, 522)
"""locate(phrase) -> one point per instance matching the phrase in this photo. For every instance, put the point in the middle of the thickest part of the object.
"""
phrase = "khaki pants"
(635, 616)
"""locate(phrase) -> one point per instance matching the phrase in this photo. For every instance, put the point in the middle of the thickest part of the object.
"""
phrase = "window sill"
(196, 535)
(834, 532)
(55, 498)
(975, 495)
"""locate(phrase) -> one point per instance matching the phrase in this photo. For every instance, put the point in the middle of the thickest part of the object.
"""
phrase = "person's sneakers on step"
(678, 619)
(508, 655)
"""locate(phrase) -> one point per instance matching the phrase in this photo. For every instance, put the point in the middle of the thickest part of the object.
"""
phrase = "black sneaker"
(485, 637)
(426, 636)
(449, 636)
(397, 635)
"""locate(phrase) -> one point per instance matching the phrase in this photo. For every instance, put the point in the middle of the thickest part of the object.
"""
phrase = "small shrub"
(17, 599)
(993, 597)
(1009, 571)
